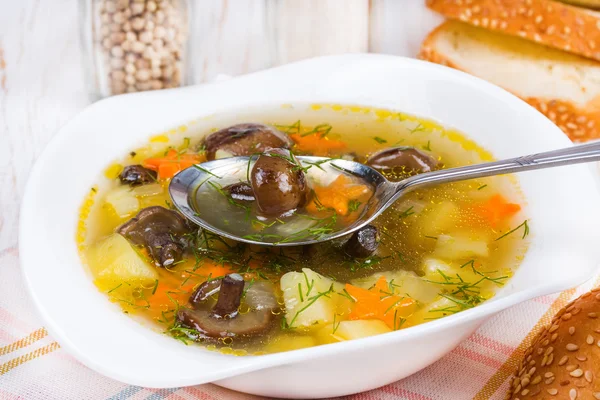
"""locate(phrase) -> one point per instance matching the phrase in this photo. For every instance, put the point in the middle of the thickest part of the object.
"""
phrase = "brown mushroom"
(223, 319)
(134, 175)
(244, 140)
(405, 160)
(160, 231)
(363, 242)
(240, 191)
(278, 182)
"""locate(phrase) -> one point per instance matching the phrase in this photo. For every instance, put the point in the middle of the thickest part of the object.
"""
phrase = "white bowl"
(562, 203)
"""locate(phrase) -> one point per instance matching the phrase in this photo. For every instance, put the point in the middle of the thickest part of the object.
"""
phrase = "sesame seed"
(576, 310)
(538, 379)
(552, 391)
(591, 315)
(540, 350)
(551, 29)
(531, 371)
(503, 25)
(525, 382)
(522, 34)
(589, 339)
(571, 367)
(566, 30)
(576, 373)
(545, 343)
(571, 125)
(517, 389)
(537, 37)
(554, 336)
(485, 22)
(572, 347)
(550, 359)
(544, 360)
(562, 109)
(589, 376)
(597, 395)
(549, 381)
(581, 358)
(598, 296)
(475, 22)
(539, 19)
(524, 392)
(493, 23)
(549, 350)
(548, 375)
(564, 359)
(573, 394)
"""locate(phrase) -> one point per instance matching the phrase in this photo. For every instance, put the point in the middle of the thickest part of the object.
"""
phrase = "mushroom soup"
(436, 252)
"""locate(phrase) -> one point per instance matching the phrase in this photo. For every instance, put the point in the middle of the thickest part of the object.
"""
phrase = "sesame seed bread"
(563, 362)
(563, 86)
(548, 22)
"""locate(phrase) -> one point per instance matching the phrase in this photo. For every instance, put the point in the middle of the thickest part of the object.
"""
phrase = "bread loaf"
(563, 86)
(554, 24)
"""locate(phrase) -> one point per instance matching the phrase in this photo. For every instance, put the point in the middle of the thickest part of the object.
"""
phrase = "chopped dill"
(132, 154)
(353, 205)
(206, 171)
(379, 140)
(115, 288)
(418, 128)
(335, 326)
(311, 301)
(525, 226)
(431, 237)
(408, 212)
(345, 293)
(482, 187)
(300, 291)
(155, 286)
(427, 146)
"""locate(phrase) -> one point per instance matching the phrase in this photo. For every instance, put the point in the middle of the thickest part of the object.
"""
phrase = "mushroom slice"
(224, 319)
(160, 231)
(241, 191)
(363, 242)
(244, 140)
(134, 175)
(405, 159)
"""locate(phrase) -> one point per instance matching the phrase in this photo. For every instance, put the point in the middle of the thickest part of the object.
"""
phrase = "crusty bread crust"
(578, 123)
(562, 361)
(548, 22)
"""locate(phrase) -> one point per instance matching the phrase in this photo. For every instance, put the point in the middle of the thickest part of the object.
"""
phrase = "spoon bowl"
(184, 187)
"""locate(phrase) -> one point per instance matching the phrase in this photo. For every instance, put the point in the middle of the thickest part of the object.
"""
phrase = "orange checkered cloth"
(33, 366)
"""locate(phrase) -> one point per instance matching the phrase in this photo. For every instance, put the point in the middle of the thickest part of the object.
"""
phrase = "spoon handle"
(571, 155)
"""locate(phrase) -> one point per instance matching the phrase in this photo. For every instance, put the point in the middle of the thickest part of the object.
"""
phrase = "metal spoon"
(184, 185)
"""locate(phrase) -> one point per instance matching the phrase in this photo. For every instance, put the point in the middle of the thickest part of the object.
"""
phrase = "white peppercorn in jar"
(134, 45)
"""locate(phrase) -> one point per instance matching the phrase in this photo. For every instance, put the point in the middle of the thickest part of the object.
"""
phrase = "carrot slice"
(497, 209)
(338, 195)
(171, 163)
(316, 144)
(378, 303)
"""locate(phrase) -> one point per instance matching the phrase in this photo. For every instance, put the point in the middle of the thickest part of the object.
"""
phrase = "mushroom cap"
(563, 361)
(211, 323)
(240, 191)
(159, 230)
(278, 183)
(245, 139)
(134, 175)
(403, 159)
(363, 242)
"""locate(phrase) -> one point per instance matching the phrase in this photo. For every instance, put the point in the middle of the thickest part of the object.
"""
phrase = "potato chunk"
(113, 261)
(312, 299)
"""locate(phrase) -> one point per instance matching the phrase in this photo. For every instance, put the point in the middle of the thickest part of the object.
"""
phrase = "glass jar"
(134, 45)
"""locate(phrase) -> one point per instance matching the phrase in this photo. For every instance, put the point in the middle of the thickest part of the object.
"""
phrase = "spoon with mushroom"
(267, 199)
